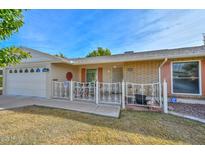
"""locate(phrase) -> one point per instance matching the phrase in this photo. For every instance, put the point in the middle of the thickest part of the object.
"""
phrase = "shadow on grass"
(150, 124)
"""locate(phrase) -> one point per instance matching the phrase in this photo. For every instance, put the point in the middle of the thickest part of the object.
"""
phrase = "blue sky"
(76, 32)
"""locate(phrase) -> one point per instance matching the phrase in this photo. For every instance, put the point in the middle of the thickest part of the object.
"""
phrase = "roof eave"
(142, 59)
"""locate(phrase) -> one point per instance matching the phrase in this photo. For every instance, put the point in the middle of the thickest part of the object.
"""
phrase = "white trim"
(200, 78)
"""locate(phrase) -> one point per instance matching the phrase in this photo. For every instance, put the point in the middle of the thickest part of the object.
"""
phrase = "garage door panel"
(27, 84)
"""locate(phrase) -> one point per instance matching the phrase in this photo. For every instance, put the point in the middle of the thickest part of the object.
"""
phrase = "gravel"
(196, 110)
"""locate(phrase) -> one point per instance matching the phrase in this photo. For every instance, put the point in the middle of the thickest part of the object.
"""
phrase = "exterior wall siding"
(142, 72)
(59, 71)
(138, 72)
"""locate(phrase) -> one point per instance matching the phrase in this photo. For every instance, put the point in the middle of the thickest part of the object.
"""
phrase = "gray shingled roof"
(196, 51)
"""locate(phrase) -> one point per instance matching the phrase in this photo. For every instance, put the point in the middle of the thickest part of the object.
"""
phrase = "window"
(186, 77)
(45, 70)
(91, 75)
(117, 74)
(32, 70)
(38, 70)
(10, 71)
(26, 71)
(1, 72)
(15, 71)
(20, 71)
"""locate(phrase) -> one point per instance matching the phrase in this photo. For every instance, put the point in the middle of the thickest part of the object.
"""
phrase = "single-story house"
(182, 68)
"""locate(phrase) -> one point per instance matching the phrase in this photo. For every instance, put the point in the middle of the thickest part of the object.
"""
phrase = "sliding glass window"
(186, 77)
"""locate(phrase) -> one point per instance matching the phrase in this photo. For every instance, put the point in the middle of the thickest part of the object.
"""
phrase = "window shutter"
(100, 74)
(83, 73)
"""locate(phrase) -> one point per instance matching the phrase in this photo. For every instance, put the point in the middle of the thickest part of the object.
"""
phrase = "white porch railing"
(142, 94)
(84, 91)
(119, 93)
(110, 93)
(61, 89)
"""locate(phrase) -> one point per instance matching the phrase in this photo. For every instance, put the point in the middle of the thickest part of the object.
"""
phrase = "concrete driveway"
(9, 102)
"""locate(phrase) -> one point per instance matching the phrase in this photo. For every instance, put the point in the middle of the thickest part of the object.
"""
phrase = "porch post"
(160, 94)
(71, 90)
(97, 93)
(123, 94)
(165, 101)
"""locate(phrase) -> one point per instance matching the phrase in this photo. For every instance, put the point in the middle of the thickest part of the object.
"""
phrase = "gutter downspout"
(160, 84)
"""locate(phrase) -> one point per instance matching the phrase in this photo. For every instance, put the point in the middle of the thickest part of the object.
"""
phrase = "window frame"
(200, 86)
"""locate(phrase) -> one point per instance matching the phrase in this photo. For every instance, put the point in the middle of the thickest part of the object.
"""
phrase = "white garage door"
(26, 84)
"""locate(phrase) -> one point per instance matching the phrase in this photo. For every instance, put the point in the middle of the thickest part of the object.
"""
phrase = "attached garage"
(32, 77)
(26, 81)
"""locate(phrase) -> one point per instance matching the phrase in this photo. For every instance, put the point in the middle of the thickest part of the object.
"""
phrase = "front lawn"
(39, 125)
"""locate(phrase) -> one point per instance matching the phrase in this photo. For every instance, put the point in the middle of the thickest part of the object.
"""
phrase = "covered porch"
(131, 84)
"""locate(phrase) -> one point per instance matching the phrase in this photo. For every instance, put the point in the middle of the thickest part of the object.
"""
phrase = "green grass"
(39, 125)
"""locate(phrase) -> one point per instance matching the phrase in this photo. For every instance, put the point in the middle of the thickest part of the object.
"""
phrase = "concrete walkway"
(9, 102)
(187, 116)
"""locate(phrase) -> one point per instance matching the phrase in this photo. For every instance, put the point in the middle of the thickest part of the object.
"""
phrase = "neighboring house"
(182, 68)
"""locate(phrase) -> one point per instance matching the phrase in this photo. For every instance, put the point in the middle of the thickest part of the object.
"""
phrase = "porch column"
(160, 94)
(123, 94)
(71, 90)
(165, 101)
(97, 93)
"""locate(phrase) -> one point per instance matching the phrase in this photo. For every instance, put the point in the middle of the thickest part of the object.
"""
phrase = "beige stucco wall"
(142, 72)
(59, 70)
